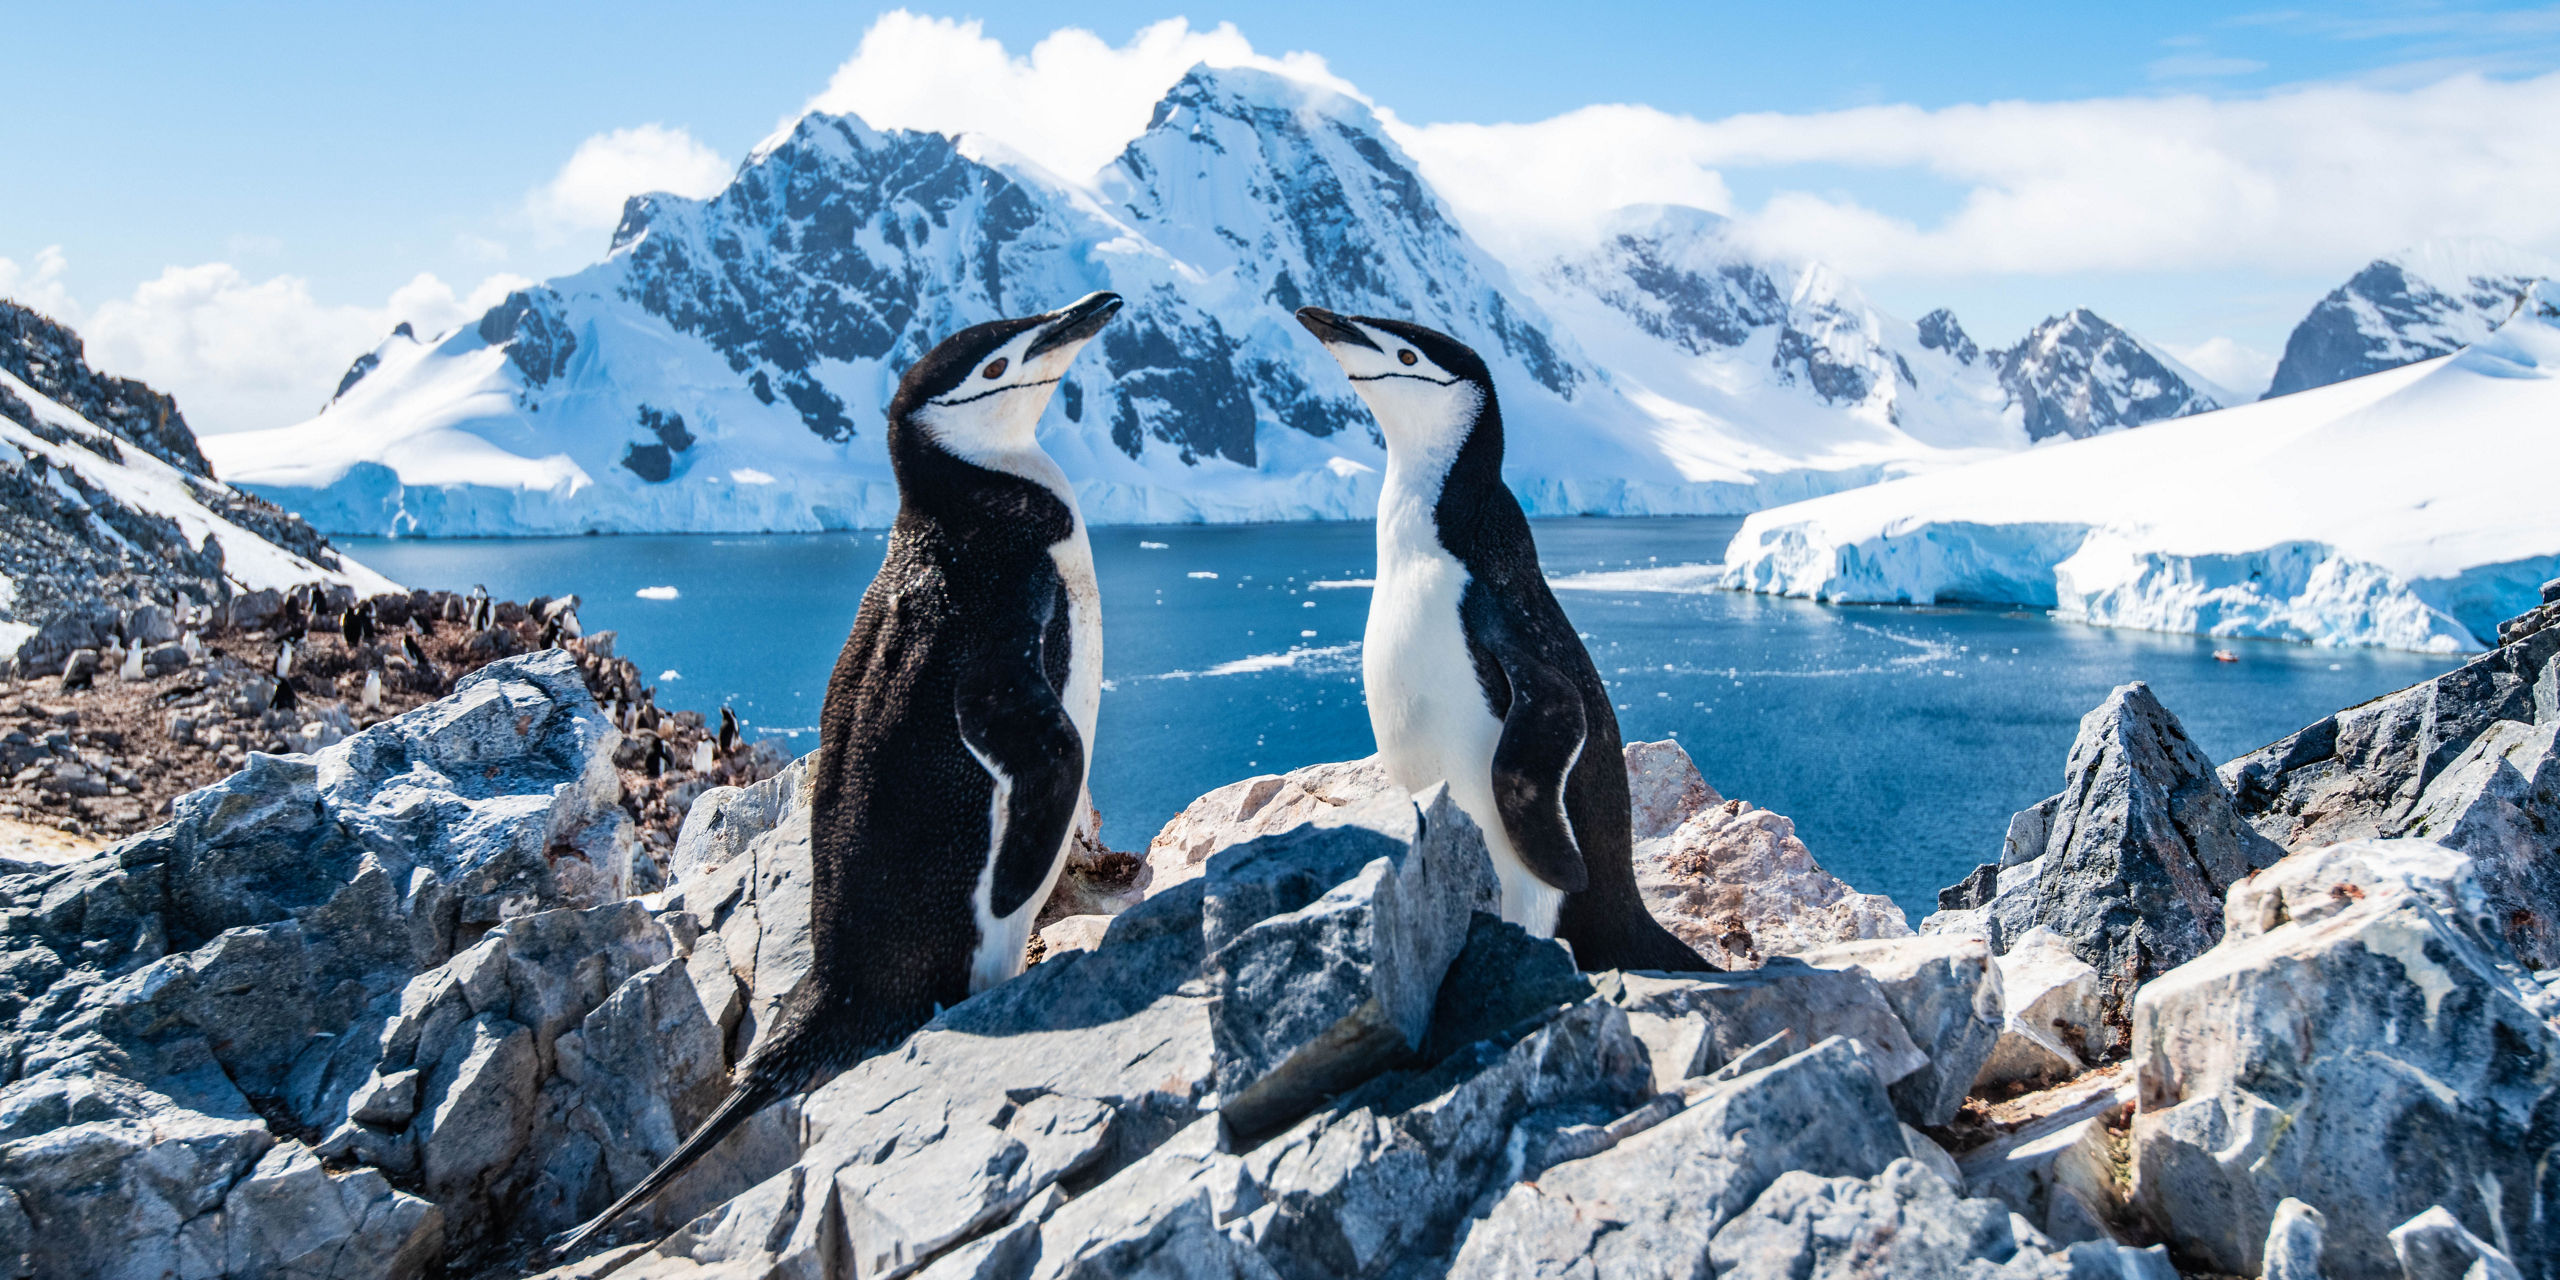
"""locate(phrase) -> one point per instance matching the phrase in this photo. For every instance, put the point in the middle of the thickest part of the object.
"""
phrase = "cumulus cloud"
(38, 283)
(241, 353)
(2309, 179)
(1069, 105)
(609, 168)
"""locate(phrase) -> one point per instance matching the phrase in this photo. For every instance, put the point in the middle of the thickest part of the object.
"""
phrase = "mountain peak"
(2427, 300)
(2078, 375)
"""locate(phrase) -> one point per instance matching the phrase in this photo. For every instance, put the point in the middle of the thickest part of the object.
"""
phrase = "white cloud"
(37, 284)
(240, 353)
(2244, 369)
(609, 168)
(1069, 106)
(2309, 179)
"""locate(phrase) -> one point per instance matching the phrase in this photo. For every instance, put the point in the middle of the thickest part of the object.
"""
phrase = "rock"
(2129, 862)
(2362, 1040)
(80, 667)
(1664, 789)
(1948, 995)
(1256, 807)
(289, 1217)
(2292, 1250)
(2464, 760)
(1309, 1000)
(1724, 1014)
(1906, 1221)
(724, 819)
(243, 959)
(1074, 933)
(1733, 881)
(2436, 1246)
(2055, 1027)
(2059, 1162)
(1501, 978)
(1651, 1205)
(150, 625)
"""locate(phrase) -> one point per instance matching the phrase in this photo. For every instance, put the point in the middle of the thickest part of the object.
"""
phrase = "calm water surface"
(1899, 739)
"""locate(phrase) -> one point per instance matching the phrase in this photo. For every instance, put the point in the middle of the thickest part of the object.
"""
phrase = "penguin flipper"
(1012, 721)
(1542, 738)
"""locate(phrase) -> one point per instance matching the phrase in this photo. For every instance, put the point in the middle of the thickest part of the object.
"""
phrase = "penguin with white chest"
(957, 727)
(1473, 673)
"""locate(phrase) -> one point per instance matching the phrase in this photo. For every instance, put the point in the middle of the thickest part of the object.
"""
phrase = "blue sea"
(1899, 739)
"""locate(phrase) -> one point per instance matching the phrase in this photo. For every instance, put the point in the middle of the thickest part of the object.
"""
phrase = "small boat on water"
(2225, 655)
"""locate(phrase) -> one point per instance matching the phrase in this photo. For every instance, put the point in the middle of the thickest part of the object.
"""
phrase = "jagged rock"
(1906, 1221)
(1651, 1204)
(2055, 1025)
(1310, 999)
(2436, 1246)
(2293, 1245)
(1256, 807)
(2464, 760)
(1073, 933)
(1947, 992)
(2128, 863)
(1500, 978)
(244, 958)
(2059, 1165)
(1733, 881)
(1704, 1021)
(723, 820)
(2362, 1040)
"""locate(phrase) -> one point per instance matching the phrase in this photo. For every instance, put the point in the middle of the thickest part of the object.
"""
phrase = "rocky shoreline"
(408, 1003)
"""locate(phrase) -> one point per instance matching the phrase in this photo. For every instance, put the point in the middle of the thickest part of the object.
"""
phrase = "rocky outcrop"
(2465, 760)
(2362, 1040)
(1731, 880)
(2128, 864)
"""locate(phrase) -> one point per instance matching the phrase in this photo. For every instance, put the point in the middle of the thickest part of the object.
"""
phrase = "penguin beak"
(1074, 323)
(1332, 329)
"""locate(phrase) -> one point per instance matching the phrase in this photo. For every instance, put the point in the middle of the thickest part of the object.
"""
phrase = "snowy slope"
(725, 368)
(2408, 508)
(91, 511)
(2423, 302)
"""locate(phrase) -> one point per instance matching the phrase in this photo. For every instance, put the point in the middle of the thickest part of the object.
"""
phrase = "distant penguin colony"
(1473, 673)
(956, 730)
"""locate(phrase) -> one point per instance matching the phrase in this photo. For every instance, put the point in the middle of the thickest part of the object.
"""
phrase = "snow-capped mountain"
(2403, 508)
(103, 495)
(2076, 375)
(726, 367)
(2428, 301)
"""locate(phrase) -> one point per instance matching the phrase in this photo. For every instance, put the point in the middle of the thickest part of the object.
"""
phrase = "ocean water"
(1899, 739)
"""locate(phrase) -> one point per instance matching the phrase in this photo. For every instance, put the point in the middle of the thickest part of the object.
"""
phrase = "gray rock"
(257, 946)
(2363, 1040)
(1906, 1221)
(1313, 999)
(2464, 760)
(2293, 1243)
(1724, 1014)
(1500, 978)
(1651, 1205)
(2436, 1246)
(724, 820)
(2055, 1026)
(1946, 991)
(2136, 854)
(150, 625)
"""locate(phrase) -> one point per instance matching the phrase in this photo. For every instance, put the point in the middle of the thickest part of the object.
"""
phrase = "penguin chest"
(1426, 707)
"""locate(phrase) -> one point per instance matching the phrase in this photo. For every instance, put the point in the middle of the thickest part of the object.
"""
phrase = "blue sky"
(324, 159)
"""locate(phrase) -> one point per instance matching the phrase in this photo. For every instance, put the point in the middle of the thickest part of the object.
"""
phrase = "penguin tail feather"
(751, 1095)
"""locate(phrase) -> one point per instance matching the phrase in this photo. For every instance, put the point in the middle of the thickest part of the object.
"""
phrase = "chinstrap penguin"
(956, 729)
(1473, 673)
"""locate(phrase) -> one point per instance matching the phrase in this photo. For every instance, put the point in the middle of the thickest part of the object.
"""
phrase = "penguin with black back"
(957, 726)
(728, 732)
(1473, 673)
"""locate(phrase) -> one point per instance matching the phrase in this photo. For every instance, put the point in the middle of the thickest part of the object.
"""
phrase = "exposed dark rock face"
(530, 325)
(66, 538)
(2130, 862)
(655, 461)
(1940, 332)
(49, 357)
(2388, 315)
(2465, 759)
(2077, 375)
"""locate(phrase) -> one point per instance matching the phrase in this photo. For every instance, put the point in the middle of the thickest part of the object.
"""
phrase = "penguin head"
(980, 392)
(1426, 388)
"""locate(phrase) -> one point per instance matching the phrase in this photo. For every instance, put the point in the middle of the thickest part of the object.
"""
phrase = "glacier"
(2408, 508)
(725, 367)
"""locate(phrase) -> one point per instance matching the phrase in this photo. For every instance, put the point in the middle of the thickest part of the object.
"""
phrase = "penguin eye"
(1406, 356)
(995, 368)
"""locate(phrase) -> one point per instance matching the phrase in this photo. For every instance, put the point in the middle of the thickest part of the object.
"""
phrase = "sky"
(233, 201)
